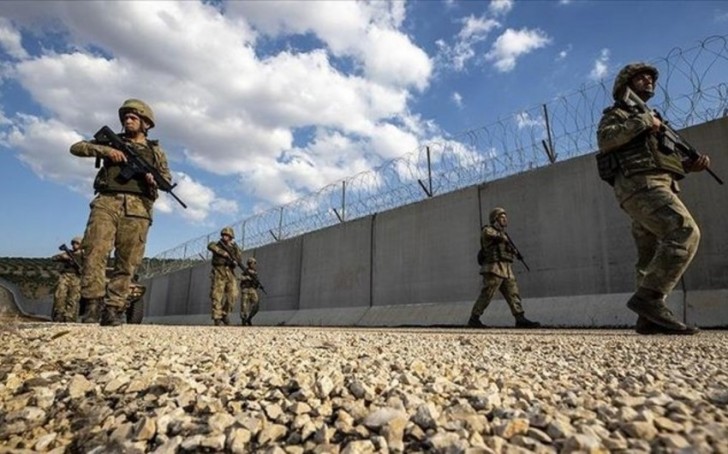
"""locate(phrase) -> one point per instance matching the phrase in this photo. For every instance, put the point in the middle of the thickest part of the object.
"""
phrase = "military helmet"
(77, 239)
(252, 260)
(137, 107)
(494, 213)
(626, 74)
(227, 231)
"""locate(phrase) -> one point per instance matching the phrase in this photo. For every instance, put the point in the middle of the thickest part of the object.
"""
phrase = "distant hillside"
(36, 277)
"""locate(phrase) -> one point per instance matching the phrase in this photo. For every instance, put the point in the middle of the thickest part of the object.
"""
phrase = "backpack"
(481, 256)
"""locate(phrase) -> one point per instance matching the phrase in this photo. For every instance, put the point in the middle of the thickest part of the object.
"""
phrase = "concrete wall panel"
(279, 270)
(336, 266)
(425, 252)
(198, 299)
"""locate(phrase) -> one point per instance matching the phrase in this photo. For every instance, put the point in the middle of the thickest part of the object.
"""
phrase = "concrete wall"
(415, 265)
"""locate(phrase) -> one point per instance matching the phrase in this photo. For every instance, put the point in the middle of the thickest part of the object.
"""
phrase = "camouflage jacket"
(628, 134)
(218, 254)
(67, 263)
(499, 254)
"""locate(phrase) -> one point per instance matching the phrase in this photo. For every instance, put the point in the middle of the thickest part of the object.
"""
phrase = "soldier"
(68, 288)
(120, 214)
(646, 188)
(249, 299)
(226, 255)
(497, 272)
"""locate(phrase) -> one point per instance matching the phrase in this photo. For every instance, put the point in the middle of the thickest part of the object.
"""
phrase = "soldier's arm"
(215, 248)
(86, 149)
(62, 257)
(617, 129)
(163, 166)
(493, 235)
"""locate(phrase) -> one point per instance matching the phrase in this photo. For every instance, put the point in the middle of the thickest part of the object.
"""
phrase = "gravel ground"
(79, 388)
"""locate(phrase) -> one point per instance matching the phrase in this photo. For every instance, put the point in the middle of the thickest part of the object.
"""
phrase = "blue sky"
(259, 103)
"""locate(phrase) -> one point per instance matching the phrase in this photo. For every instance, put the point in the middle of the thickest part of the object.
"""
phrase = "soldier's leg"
(59, 299)
(131, 239)
(254, 305)
(217, 293)
(646, 243)
(98, 241)
(231, 294)
(72, 299)
(491, 282)
(509, 289)
(244, 306)
(661, 212)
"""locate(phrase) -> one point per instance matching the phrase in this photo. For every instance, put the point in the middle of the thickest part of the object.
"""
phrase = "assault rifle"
(69, 253)
(135, 164)
(670, 139)
(256, 282)
(231, 256)
(243, 268)
(519, 256)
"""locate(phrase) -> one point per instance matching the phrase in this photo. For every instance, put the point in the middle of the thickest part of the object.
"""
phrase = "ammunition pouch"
(608, 167)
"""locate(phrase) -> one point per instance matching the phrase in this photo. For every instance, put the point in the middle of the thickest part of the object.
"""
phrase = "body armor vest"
(498, 252)
(644, 153)
(219, 260)
(108, 179)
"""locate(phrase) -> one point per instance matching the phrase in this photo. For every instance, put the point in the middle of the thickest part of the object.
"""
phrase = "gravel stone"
(178, 389)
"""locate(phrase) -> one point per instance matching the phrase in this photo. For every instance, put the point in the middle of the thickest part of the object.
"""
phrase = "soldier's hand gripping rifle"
(519, 256)
(71, 258)
(256, 282)
(231, 257)
(670, 140)
(135, 164)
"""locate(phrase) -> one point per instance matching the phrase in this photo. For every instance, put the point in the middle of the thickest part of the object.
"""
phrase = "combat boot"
(474, 322)
(111, 316)
(93, 305)
(225, 320)
(650, 305)
(243, 320)
(646, 327)
(523, 322)
(217, 322)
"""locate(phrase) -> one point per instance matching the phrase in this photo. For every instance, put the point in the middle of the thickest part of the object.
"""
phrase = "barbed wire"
(691, 90)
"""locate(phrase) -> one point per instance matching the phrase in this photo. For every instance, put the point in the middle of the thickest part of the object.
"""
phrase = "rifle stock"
(672, 139)
(135, 164)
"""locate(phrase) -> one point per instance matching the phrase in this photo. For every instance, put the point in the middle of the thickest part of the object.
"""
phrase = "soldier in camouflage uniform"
(249, 299)
(68, 288)
(226, 255)
(646, 188)
(497, 272)
(120, 214)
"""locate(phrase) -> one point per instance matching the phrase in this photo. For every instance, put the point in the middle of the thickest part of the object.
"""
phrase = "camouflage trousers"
(66, 297)
(249, 303)
(507, 287)
(223, 291)
(666, 236)
(116, 222)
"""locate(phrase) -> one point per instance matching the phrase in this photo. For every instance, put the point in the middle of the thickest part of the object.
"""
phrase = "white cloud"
(457, 99)
(563, 53)
(43, 145)
(364, 30)
(524, 120)
(219, 105)
(513, 44)
(10, 40)
(473, 31)
(600, 65)
(500, 7)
